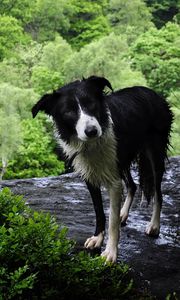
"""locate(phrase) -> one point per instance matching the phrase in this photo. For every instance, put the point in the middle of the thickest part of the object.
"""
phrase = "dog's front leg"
(115, 194)
(96, 240)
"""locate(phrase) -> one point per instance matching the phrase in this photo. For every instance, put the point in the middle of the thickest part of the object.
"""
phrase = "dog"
(101, 134)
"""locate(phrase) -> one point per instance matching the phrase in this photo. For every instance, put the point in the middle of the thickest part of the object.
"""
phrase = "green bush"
(37, 261)
(156, 54)
(36, 155)
(175, 134)
(31, 247)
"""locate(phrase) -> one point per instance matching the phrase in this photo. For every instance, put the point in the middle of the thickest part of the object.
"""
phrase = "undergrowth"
(38, 261)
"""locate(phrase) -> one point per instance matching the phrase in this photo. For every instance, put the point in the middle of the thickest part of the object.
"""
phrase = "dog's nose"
(91, 131)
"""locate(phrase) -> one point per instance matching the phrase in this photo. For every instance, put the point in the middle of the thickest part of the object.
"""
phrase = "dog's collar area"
(71, 159)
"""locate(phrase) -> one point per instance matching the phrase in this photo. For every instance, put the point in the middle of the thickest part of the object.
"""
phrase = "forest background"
(47, 43)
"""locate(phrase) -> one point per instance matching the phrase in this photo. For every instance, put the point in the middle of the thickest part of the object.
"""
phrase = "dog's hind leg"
(157, 163)
(153, 227)
(115, 194)
(131, 189)
(96, 240)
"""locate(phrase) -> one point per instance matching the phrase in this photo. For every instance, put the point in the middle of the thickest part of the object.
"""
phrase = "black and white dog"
(102, 135)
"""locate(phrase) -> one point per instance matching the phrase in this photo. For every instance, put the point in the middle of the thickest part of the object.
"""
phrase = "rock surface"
(154, 261)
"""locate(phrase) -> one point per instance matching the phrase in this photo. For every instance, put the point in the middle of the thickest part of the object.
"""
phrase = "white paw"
(94, 241)
(110, 254)
(123, 215)
(153, 229)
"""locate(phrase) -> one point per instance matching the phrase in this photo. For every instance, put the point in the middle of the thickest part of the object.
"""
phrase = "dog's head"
(78, 108)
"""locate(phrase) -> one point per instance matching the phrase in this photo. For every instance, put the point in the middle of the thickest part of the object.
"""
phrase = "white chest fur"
(96, 160)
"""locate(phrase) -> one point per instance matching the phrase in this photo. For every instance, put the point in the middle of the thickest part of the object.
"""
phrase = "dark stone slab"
(154, 261)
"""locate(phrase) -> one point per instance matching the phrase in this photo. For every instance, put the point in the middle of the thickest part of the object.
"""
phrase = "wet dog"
(102, 134)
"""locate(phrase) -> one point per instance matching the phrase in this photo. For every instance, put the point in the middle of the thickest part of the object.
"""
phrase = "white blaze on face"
(87, 127)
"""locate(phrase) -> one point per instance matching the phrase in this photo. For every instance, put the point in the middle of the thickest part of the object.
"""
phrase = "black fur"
(142, 122)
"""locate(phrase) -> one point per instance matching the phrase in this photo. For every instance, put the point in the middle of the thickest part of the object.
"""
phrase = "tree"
(15, 100)
(11, 73)
(45, 80)
(11, 34)
(26, 57)
(15, 105)
(88, 22)
(26, 146)
(163, 11)
(10, 133)
(35, 156)
(48, 74)
(21, 10)
(50, 17)
(129, 17)
(106, 57)
(54, 54)
(175, 135)
(18, 69)
(10, 139)
(156, 53)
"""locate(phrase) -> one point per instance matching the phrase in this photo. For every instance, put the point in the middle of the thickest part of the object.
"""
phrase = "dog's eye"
(69, 115)
(92, 106)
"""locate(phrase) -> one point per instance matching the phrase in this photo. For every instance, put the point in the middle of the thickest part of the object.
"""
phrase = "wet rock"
(153, 261)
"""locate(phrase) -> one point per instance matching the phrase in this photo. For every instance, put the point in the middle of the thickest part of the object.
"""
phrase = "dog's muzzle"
(91, 131)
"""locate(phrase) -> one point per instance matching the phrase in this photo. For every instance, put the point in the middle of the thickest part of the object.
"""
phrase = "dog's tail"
(146, 178)
(151, 165)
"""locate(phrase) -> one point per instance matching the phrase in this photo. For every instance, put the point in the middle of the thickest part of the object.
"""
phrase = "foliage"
(15, 104)
(10, 139)
(48, 73)
(21, 10)
(105, 57)
(172, 296)
(35, 156)
(129, 17)
(55, 53)
(175, 140)
(87, 22)
(36, 260)
(10, 135)
(49, 17)
(17, 100)
(30, 245)
(174, 99)
(163, 11)
(156, 53)
(45, 80)
(18, 69)
(37, 66)
(11, 34)
(11, 73)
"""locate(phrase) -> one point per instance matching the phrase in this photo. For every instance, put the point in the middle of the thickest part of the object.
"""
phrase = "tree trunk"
(3, 169)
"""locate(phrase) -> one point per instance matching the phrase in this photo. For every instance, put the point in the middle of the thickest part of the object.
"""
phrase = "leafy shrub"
(174, 100)
(37, 261)
(30, 246)
(45, 80)
(35, 157)
(156, 54)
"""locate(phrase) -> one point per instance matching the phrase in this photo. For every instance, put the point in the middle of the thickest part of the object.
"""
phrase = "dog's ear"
(46, 104)
(99, 82)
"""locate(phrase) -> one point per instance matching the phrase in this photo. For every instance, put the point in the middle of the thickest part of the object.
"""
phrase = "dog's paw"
(94, 241)
(153, 229)
(110, 254)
